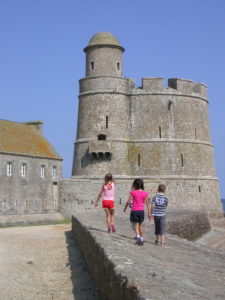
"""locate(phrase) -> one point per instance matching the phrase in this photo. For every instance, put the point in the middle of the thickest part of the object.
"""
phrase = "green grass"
(63, 221)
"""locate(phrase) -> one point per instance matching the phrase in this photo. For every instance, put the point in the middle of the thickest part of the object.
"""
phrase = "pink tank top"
(109, 190)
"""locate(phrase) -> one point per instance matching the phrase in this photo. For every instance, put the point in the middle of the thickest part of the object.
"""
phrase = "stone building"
(29, 170)
(156, 132)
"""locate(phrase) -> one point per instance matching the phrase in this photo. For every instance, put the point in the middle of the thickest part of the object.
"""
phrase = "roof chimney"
(37, 124)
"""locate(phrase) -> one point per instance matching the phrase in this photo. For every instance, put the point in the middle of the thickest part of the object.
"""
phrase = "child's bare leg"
(162, 239)
(136, 229)
(108, 217)
(112, 216)
(141, 229)
(157, 237)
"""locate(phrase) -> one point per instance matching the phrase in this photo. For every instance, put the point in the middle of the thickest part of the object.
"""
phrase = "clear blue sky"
(42, 58)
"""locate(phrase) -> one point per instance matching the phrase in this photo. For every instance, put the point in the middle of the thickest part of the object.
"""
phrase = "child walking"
(107, 193)
(158, 210)
(139, 198)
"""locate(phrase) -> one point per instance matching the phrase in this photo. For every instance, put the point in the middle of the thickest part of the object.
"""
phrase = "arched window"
(101, 137)
(92, 65)
(118, 66)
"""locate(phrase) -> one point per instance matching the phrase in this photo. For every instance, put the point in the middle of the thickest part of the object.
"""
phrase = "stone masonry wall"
(30, 194)
(77, 193)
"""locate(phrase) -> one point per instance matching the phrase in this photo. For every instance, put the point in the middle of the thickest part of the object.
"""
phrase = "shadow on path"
(83, 286)
(117, 236)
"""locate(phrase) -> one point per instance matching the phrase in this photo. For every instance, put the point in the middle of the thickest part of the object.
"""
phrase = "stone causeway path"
(182, 270)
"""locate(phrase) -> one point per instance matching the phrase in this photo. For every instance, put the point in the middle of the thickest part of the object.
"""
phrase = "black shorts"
(137, 216)
(160, 225)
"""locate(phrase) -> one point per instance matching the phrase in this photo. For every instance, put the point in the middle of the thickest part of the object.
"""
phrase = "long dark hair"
(108, 177)
(138, 184)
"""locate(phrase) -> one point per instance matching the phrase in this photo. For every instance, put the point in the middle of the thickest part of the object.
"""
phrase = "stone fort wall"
(155, 132)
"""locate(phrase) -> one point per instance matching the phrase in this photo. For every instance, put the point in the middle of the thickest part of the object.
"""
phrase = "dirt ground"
(42, 263)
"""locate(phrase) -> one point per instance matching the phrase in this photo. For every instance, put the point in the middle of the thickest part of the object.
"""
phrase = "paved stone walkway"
(42, 263)
(180, 270)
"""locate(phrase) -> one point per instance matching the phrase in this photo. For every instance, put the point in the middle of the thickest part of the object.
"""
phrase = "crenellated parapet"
(187, 86)
(177, 86)
(152, 83)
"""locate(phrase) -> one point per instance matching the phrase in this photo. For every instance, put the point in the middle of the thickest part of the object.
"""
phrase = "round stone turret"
(155, 132)
(103, 56)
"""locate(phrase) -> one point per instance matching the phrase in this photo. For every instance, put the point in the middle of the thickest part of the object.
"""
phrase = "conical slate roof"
(103, 39)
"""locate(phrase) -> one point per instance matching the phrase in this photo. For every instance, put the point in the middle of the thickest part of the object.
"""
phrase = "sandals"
(113, 228)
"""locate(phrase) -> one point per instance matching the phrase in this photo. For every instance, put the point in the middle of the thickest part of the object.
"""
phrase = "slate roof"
(24, 139)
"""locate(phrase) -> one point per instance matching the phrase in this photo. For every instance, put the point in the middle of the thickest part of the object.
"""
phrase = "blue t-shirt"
(160, 203)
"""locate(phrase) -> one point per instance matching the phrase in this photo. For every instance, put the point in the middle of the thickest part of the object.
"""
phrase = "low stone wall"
(110, 283)
(188, 225)
(77, 194)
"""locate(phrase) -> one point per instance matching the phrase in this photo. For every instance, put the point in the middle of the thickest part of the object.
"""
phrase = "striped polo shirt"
(159, 203)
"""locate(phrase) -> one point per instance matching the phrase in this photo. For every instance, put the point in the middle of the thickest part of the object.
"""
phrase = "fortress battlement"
(184, 86)
(188, 86)
(124, 85)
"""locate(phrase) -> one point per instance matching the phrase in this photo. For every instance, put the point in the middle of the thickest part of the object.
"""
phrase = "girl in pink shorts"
(107, 193)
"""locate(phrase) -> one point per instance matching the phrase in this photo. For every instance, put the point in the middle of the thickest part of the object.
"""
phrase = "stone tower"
(156, 132)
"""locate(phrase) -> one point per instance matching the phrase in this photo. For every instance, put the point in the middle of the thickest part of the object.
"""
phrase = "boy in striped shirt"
(158, 210)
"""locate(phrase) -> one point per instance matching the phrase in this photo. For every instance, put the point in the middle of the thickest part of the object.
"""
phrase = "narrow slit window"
(9, 169)
(199, 189)
(139, 160)
(118, 66)
(107, 121)
(169, 104)
(92, 65)
(196, 134)
(160, 132)
(182, 160)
